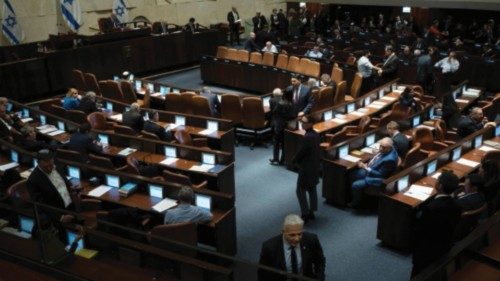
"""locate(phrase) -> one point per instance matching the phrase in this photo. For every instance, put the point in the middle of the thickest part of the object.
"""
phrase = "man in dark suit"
(29, 141)
(303, 100)
(83, 143)
(294, 252)
(435, 225)
(472, 199)
(281, 111)
(234, 25)
(133, 118)
(213, 101)
(308, 161)
(151, 126)
(88, 103)
(251, 44)
(401, 143)
(472, 123)
(389, 69)
(425, 74)
(259, 22)
(382, 165)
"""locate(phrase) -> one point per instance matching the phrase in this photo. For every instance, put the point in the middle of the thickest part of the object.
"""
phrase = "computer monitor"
(71, 237)
(351, 107)
(43, 119)
(151, 87)
(416, 121)
(116, 78)
(208, 158)
(368, 100)
(109, 106)
(381, 93)
(497, 131)
(180, 120)
(146, 116)
(370, 139)
(113, 181)
(328, 115)
(9, 107)
(266, 101)
(14, 156)
(212, 125)
(103, 139)
(74, 172)
(26, 224)
(155, 190)
(456, 94)
(203, 201)
(343, 150)
(138, 85)
(176, 91)
(61, 126)
(131, 77)
(164, 90)
(26, 113)
(432, 112)
(34, 162)
(402, 183)
(170, 151)
(478, 141)
(394, 87)
(456, 153)
(431, 167)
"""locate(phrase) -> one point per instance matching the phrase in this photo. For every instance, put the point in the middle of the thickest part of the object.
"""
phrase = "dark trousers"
(234, 33)
(279, 144)
(305, 207)
(366, 85)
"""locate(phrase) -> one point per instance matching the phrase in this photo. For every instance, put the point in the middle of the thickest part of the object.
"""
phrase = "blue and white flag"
(10, 27)
(120, 10)
(72, 13)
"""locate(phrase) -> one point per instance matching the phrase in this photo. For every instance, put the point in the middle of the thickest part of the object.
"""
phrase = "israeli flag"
(10, 27)
(72, 13)
(120, 9)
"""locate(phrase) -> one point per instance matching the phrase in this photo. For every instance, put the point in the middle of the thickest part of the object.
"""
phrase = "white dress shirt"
(288, 256)
(365, 67)
(56, 179)
(273, 49)
(448, 65)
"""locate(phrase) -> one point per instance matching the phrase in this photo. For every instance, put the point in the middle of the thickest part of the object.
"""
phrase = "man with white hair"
(293, 251)
(382, 165)
(88, 103)
(133, 118)
(472, 123)
(250, 44)
(270, 48)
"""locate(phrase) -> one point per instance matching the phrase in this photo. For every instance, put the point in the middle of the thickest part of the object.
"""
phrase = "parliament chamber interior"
(250, 140)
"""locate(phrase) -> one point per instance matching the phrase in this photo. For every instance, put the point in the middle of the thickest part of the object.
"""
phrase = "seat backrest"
(282, 61)
(351, 60)
(243, 55)
(148, 135)
(293, 64)
(231, 108)
(221, 52)
(183, 137)
(303, 65)
(232, 54)
(78, 81)
(423, 136)
(489, 111)
(185, 233)
(172, 102)
(177, 178)
(76, 116)
(128, 92)
(253, 113)
(493, 155)
(364, 124)
(468, 221)
(124, 130)
(115, 91)
(105, 90)
(97, 120)
(340, 93)
(19, 191)
(338, 137)
(200, 106)
(439, 133)
(325, 97)
(100, 161)
(313, 70)
(356, 85)
(414, 155)
(337, 74)
(186, 104)
(132, 165)
(70, 155)
(256, 58)
(91, 83)
(317, 99)
(268, 59)
(400, 111)
(58, 110)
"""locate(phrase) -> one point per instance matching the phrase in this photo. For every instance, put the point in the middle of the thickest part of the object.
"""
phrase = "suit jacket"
(251, 46)
(133, 119)
(471, 201)
(401, 144)
(390, 67)
(35, 145)
(231, 19)
(152, 127)
(213, 102)
(258, 26)
(467, 126)
(272, 255)
(84, 144)
(305, 101)
(308, 160)
(4, 130)
(383, 167)
(87, 105)
(424, 68)
(281, 113)
(434, 230)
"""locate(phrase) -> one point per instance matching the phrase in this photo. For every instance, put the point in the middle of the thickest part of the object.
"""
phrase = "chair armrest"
(328, 138)
(439, 145)
(122, 168)
(91, 204)
(351, 130)
(448, 142)
(451, 135)
(110, 125)
(200, 185)
(482, 103)
(200, 142)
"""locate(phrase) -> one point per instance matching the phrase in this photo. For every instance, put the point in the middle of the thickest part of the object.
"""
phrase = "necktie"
(295, 266)
(374, 159)
(295, 95)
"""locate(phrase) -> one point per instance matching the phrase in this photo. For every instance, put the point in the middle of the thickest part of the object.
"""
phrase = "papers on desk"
(351, 158)
(376, 105)
(169, 161)
(425, 126)
(387, 98)
(472, 94)
(419, 192)
(337, 120)
(99, 191)
(56, 132)
(436, 175)
(364, 110)
(47, 129)
(357, 113)
(26, 174)
(44, 127)
(486, 148)
(116, 117)
(367, 150)
(465, 162)
(8, 166)
(461, 100)
(156, 94)
(172, 126)
(201, 168)
(207, 132)
(164, 205)
(127, 151)
(340, 116)
(26, 120)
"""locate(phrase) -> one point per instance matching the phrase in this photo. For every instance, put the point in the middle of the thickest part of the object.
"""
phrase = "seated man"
(29, 141)
(151, 126)
(270, 48)
(401, 143)
(133, 118)
(185, 212)
(8, 122)
(472, 199)
(472, 123)
(88, 103)
(380, 167)
(191, 26)
(250, 44)
(83, 142)
(314, 53)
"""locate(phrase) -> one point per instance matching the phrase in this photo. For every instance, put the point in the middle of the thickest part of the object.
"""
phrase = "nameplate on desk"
(172, 126)
(48, 130)
(471, 94)
(26, 174)
(56, 132)
(364, 110)
(8, 166)
(157, 94)
(419, 192)
(357, 113)
(127, 151)
(207, 132)
(201, 168)
(486, 148)
(388, 98)
(26, 120)
(376, 106)
(337, 120)
(367, 150)
(465, 162)
(351, 158)
(99, 191)
(169, 161)
(164, 205)
(461, 100)
(436, 175)
(116, 117)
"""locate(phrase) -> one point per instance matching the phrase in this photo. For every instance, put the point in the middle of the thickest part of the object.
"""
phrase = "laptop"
(138, 85)
(456, 153)
(14, 156)
(212, 125)
(26, 224)
(73, 172)
(113, 181)
(328, 115)
(208, 158)
(170, 151)
(370, 140)
(103, 139)
(203, 201)
(416, 121)
(478, 141)
(43, 119)
(403, 183)
(431, 168)
(155, 191)
(180, 120)
(351, 107)
(71, 237)
(343, 150)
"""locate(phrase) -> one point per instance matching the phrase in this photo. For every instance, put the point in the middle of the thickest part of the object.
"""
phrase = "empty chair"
(232, 54)
(413, 156)
(363, 127)
(221, 52)
(58, 110)
(78, 80)
(440, 133)
(186, 103)
(333, 139)
(355, 87)
(337, 74)
(243, 55)
(183, 137)
(254, 117)
(268, 59)
(184, 233)
(200, 106)
(124, 130)
(303, 65)
(76, 116)
(424, 136)
(19, 191)
(400, 112)
(325, 97)
(114, 90)
(128, 92)
(91, 83)
(293, 64)
(282, 61)
(339, 97)
(181, 179)
(70, 155)
(256, 58)
(313, 69)
(172, 102)
(104, 87)
(231, 108)
(468, 221)
(97, 121)
(103, 162)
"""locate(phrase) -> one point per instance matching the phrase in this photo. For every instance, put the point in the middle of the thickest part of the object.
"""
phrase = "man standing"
(435, 225)
(281, 109)
(151, 126)
(234, 25)
(472, 123)
(302, 97)
(133, 118)
(449, 66)
(294, 251)
(308, 161)
(389, 69)
(365, 67)
(259, 23)
(401, 143)
(424, 69)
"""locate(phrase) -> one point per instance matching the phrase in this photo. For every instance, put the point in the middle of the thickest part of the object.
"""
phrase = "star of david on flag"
(120, 9)
(10, 27)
